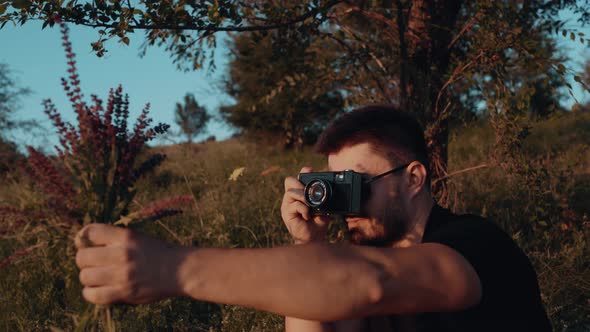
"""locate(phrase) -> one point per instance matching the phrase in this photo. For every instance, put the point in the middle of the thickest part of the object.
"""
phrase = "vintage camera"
(340, 193)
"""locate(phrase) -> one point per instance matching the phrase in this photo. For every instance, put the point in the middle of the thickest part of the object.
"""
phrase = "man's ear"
(417, 176)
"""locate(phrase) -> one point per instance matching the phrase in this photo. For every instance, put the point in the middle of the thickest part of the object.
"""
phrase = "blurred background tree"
(283, 90)
(585, 81)
(10, 94)
(191, 117)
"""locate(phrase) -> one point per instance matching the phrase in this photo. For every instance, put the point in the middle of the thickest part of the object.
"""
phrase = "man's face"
(384, 219)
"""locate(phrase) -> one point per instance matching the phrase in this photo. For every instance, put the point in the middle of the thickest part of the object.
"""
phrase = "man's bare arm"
(334, 282)
(318, 282)
(314, 282)
(293, 324)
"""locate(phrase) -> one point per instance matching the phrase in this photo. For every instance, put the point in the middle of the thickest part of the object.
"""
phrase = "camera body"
(328, 193)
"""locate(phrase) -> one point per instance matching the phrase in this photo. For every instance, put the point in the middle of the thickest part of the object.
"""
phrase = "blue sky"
(37, 60)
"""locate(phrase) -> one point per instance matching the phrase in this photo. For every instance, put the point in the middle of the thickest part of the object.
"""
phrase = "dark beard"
(357, 237)
(394, 227)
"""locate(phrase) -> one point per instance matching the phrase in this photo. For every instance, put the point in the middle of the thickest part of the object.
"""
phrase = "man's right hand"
(303, 227)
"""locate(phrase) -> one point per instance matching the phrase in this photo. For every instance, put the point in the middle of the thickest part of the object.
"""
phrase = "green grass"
(41, 290)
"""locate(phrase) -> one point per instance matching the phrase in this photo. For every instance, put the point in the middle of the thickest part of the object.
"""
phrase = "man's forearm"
(301, 325)
(316, 282)
(293, 324)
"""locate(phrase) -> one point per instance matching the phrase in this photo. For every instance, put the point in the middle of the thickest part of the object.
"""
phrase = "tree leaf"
(21, 4)
(236, 173)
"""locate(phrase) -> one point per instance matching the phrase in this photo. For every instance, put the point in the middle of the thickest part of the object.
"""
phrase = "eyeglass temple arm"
(377, 177)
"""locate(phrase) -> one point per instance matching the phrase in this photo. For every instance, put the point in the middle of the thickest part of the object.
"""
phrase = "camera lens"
(316, 192)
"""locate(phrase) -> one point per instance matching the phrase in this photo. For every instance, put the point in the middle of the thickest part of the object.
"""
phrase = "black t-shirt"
(510, 300)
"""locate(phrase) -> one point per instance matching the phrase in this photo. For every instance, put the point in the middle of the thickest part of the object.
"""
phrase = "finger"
(100, 234)
(97, 276)
(100, 256)
(291, 182)
(306, 169)
(321, 220)
(297, 209)
(295, 195)
(102, 295)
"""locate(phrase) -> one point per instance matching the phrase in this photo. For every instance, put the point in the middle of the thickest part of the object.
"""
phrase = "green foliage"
(185, 28)
(191, 117)
(282, 90)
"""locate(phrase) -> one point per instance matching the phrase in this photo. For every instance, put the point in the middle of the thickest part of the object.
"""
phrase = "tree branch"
(211, 28)
(375, 78)
(460, 172)
(465, 28)
(404, 102)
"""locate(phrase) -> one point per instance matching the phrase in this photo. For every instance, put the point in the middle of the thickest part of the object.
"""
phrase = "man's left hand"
(124, 266)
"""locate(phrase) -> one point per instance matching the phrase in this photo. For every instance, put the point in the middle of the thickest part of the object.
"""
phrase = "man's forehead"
(362, 158)
(355, 162)
(358, 167)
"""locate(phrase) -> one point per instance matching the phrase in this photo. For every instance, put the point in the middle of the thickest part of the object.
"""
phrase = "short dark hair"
(395, 134)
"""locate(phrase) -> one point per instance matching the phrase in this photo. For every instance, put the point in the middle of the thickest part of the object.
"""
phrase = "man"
(411, 266)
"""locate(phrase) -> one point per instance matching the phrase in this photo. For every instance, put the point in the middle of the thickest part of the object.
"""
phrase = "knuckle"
(92, 296)
(287, 182)
(295, 192)
(292, 211)
(291, 182)
(86, 295)
(79, 258)
(285, 201)
(82, 277)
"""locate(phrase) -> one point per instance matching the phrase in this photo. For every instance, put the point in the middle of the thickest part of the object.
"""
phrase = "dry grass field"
(546, 211)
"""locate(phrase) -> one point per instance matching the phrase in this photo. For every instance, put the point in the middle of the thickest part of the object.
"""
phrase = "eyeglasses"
(377, 177)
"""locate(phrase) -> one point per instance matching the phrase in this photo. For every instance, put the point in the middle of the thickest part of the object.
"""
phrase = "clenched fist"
(124, 266)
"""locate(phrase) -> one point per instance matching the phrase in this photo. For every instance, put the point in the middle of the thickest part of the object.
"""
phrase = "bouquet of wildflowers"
(94, 176)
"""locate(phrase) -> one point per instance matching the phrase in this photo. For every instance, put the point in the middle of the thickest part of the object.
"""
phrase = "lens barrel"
(317, 192)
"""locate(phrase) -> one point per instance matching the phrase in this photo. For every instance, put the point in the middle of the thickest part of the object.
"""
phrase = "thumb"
(306, 169)
(99, 234)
